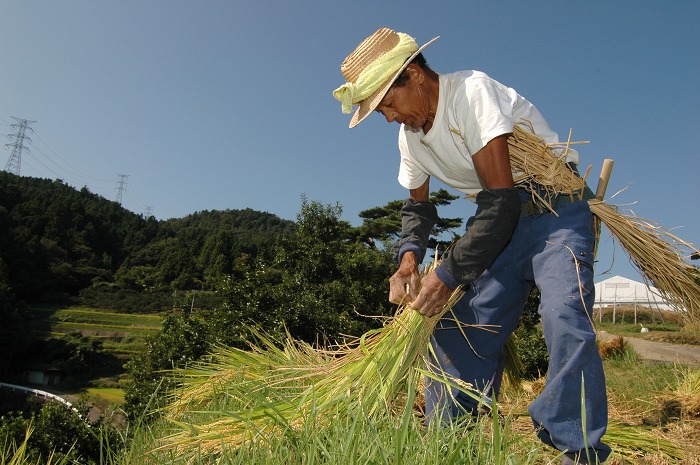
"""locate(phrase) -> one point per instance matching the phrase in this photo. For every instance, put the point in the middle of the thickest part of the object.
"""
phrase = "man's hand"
(428, 297)
(405, 283)
(432, 297)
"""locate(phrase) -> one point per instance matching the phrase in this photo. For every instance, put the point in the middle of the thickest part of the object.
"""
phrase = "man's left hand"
(432, 297)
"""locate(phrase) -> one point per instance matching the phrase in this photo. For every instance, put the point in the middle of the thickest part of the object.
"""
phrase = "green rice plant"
(352, 436)
(248, 395)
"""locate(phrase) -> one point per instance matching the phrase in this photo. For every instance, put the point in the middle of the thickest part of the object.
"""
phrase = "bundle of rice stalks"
(242, 396)
(686, 394)
(637, 442)
(614, 348)
(656, 253)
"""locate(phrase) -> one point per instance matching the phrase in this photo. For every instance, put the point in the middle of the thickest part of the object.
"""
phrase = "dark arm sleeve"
(417, 221)
(488, 232)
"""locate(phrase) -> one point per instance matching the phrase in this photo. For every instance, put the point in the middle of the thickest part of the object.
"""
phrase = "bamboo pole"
(603, 180)
(605, 172)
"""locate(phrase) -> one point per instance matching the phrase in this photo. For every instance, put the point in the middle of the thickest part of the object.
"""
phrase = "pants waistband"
(533, 208)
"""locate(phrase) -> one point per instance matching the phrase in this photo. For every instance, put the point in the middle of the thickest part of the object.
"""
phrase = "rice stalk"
(267, 364)
(637, 441)
(653, 250)
(240, 396)
(683, 401)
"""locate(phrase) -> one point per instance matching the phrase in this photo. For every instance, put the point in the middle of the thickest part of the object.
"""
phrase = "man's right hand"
(404, 285)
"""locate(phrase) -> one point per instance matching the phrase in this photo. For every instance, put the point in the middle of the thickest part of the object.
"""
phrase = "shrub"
(529, 340)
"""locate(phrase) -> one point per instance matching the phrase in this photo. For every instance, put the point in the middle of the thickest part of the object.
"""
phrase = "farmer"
(455, 127)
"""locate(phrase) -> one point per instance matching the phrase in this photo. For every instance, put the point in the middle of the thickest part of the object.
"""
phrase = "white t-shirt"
(472, 109)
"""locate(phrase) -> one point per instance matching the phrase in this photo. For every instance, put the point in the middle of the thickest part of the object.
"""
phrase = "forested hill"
(56, 240)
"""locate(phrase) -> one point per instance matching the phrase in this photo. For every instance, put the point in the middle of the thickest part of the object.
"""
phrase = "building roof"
(621, 290)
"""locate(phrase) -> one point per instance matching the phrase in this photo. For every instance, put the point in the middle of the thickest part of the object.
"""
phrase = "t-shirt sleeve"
(485, 112)
(411, 176)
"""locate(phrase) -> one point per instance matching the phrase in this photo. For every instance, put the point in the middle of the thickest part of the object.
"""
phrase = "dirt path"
(660, 351)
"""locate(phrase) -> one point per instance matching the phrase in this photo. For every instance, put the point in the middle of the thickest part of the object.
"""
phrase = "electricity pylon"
(14, 163)
(121, 187)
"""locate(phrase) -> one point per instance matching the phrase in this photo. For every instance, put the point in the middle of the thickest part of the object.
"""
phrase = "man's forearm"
(417, 221)
(488, 232)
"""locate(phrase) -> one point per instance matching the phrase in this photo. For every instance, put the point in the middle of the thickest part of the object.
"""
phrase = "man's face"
(405, 104)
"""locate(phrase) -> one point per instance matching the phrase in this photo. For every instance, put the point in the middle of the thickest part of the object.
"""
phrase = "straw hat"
(369, 52)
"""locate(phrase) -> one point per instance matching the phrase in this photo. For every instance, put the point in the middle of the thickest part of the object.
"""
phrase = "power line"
(14, 163)
(63, 164)
(52, 162)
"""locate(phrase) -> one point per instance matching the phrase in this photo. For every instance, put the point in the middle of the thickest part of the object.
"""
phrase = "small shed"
(43, 375)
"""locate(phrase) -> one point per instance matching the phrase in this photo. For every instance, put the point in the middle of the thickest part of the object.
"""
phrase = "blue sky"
(212, 105)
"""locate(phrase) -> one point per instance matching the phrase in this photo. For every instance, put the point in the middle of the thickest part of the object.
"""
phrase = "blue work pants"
(556, 254)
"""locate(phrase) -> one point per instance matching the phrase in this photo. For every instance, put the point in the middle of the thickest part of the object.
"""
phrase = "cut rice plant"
(684, 398)
(638, 441)
(247, 395)
(354, 437)
(656, 253)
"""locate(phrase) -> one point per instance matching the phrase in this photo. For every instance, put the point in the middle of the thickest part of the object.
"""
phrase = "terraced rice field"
(122, 333)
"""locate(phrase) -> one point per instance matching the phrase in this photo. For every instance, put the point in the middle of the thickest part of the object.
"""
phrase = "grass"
(641, 395)
(663, 325)
(113, 396)
(353, 436)
(12, 453)
(637, 400)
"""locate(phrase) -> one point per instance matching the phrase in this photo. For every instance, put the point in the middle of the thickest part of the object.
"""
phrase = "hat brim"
(369, 104)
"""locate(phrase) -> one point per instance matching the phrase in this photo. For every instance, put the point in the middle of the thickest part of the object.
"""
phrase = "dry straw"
(656, 252)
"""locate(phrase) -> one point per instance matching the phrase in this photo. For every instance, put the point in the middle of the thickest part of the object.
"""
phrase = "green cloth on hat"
(375, 74)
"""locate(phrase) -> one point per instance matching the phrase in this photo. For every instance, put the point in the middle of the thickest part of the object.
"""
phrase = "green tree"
(322, 282)
(183, 339)
(78, 355)
(14, 329)
(320, 285)
(529, 339)
(58, 241)
(383, 224)
(62, 431)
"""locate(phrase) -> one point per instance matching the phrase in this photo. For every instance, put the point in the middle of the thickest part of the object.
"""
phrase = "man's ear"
(415, 73)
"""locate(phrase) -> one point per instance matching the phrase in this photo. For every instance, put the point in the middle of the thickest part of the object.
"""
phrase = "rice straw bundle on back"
(657, 253)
